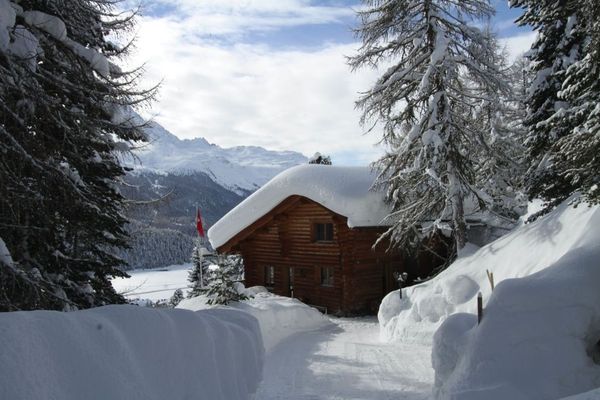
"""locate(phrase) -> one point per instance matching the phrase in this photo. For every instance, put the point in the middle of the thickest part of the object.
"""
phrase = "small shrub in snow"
(176, 298)
(318, 158)
(222, 282)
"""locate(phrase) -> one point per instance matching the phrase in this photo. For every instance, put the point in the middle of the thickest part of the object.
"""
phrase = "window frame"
(327, 276)
(315, 232)
(269, 275)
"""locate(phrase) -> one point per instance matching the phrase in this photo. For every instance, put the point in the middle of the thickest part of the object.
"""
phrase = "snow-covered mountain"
(241, 169)
(188, 174)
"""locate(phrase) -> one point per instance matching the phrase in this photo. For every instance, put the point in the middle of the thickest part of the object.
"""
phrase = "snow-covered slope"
(526, 250)
(240, 169)
(540, 335)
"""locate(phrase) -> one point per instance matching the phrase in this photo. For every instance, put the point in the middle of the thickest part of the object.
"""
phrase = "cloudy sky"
(269, 73)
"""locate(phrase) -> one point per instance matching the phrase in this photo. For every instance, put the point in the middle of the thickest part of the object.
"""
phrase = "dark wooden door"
(390, 283)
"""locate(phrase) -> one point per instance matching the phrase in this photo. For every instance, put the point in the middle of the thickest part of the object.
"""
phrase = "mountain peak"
(240, 168)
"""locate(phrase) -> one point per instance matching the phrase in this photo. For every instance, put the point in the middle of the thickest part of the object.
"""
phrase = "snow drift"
(539, 338)
(278, 317)
(540, 334)
(526, 250)
(128, 352)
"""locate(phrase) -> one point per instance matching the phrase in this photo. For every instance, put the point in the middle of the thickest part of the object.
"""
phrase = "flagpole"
(200, 250)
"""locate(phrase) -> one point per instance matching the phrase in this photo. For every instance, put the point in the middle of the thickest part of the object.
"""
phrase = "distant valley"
(187, 174)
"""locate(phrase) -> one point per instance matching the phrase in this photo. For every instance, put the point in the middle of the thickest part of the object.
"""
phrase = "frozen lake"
(153, 284)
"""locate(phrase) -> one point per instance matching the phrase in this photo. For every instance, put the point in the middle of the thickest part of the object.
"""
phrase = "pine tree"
(498, 124)
(176, 298)
(235, 264)
(426, 107)
(576, 156)
(221, 287)
(199, 275)
(557, 49)
(61, 132)
(318, 158)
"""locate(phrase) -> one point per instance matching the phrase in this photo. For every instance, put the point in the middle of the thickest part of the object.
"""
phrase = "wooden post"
(490, 276)
(479, 307)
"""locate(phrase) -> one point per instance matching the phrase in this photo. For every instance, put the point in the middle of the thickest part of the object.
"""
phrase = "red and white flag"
(199, 223)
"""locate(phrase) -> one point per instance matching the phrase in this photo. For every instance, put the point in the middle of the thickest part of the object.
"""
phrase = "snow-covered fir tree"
(426, 106)
(499, 156)
(61, 98)
(221, 288)
(319, 158)
(199, 275)
(176, 298)
(576, 157)
(560, 141)
(235, 264)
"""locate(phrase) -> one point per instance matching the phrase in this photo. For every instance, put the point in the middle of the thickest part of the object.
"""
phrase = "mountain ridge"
(188, 173)
(241, 169)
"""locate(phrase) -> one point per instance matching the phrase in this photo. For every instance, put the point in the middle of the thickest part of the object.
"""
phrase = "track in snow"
(346, 361)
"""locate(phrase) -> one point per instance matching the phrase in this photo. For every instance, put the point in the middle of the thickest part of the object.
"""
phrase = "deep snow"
(278, 317)
(541, 326)
(524, 251)
(129, 352)
(539, 337)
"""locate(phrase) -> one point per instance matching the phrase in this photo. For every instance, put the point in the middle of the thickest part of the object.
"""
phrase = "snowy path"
(346, 361)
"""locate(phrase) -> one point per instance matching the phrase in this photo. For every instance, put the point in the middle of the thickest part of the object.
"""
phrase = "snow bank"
(344, 190)
(526, 250)
(128, 352)
(591, 395)
(539, 337)
(278, 317)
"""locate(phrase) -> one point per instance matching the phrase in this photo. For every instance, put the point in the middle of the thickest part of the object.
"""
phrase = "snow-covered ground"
(524, 251)
(346, 361)
(539, 339)
(278, 317)
(540, 333)
(129, 353)
(153, 284)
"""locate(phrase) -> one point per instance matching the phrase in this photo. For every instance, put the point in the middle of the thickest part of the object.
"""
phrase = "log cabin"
(310, 232)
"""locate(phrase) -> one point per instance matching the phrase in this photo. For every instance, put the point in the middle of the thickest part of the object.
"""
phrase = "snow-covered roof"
(343, 190)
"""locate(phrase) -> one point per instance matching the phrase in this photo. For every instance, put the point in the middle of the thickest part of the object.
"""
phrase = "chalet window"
(323, 232)
(269, 275)
(327, 276)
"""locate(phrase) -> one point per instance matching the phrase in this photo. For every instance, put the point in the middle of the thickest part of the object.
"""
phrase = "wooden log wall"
(287, 243)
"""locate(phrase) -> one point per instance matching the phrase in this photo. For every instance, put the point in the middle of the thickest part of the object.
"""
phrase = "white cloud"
(518, 44)
(245, 94)
(251, 94)
(219, 18)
